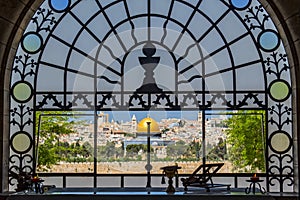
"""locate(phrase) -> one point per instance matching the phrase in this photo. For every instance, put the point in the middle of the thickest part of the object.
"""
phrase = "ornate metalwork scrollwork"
(151, 95)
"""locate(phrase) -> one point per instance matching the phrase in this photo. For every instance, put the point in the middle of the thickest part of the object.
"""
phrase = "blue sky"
(156, 115)
(126, 116)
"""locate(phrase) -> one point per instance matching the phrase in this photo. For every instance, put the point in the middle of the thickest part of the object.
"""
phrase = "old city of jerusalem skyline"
(163, 132)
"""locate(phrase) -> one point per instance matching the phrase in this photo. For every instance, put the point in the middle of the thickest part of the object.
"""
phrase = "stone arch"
(16, 17)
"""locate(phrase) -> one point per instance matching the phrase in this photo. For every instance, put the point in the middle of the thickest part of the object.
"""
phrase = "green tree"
(195, 149)
(179, 150)
(245, 139)
(109, 152)
(218, 152)
(132, 150)
(88, 149)
(49, 130)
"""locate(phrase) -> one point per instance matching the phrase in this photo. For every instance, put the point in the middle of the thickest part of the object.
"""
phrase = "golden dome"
(142, 126)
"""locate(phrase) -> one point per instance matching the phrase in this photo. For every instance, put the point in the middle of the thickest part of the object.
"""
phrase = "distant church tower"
(199, 117)
(133, 124)
(102, 118)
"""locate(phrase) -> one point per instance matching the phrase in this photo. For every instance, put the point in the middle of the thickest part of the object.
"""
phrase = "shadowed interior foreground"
(153, 193)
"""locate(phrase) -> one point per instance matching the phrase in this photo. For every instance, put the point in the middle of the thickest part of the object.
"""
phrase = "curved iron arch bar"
(224, 39)
(145, 15)
(263, 69)
(110, 24)
(45, 42)
(227, 46)
(136, 16)
(203, 14)
(84, 26)
(168, 18)
(139, 16)
(218, 30)
(255, 43)
(72, 46)
(130, 21)
(213, 25)
(187, 23)
(143, 42)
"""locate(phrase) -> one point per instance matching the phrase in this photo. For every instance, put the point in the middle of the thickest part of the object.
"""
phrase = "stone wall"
(128, 167)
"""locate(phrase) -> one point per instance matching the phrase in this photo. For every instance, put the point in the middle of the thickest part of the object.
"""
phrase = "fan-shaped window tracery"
(152, 54)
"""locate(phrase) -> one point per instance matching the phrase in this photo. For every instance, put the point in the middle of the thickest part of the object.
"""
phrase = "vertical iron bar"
(148, 165)
(64, 181)
(95, 147)
(203, 137)
(149, 20)
(37, 144)
(176, 181)
(122, 181)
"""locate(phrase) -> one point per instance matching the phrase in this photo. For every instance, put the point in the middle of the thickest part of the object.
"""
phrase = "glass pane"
(54, 51)
(180, 12)
(137, 7)
(220, 82)
(244, 83)
(98, 25)
(81, 63)
(65, 142)
(230, 22)
(116, 13)
(45, 81)
(80, 10)
(122, 141)
(244, 45)
(213, 10)
(236, 138)
(88, 43)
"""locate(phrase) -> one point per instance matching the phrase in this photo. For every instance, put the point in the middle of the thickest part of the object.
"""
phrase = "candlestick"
(254, 178)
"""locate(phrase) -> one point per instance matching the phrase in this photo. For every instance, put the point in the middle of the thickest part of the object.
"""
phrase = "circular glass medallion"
(240, 4)
(21, 142)
(280, 142)
(268, 40)
(32, 42)
(22, 91)
(279, 90)
(59, 5)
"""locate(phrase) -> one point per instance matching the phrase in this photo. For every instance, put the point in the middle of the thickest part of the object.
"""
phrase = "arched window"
(141, 55)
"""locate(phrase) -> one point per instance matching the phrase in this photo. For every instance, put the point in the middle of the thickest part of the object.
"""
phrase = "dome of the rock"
(143, 128)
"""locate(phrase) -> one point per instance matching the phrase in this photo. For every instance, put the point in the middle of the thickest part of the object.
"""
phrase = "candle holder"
(37, 185)
(170, 172)
(254, 180)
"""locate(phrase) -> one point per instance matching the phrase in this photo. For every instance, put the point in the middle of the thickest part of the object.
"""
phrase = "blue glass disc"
(59, 5)
(32, 42)
(268, 40)
(240, 4)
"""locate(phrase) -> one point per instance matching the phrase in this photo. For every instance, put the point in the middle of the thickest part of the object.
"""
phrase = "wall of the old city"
(16, 14)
